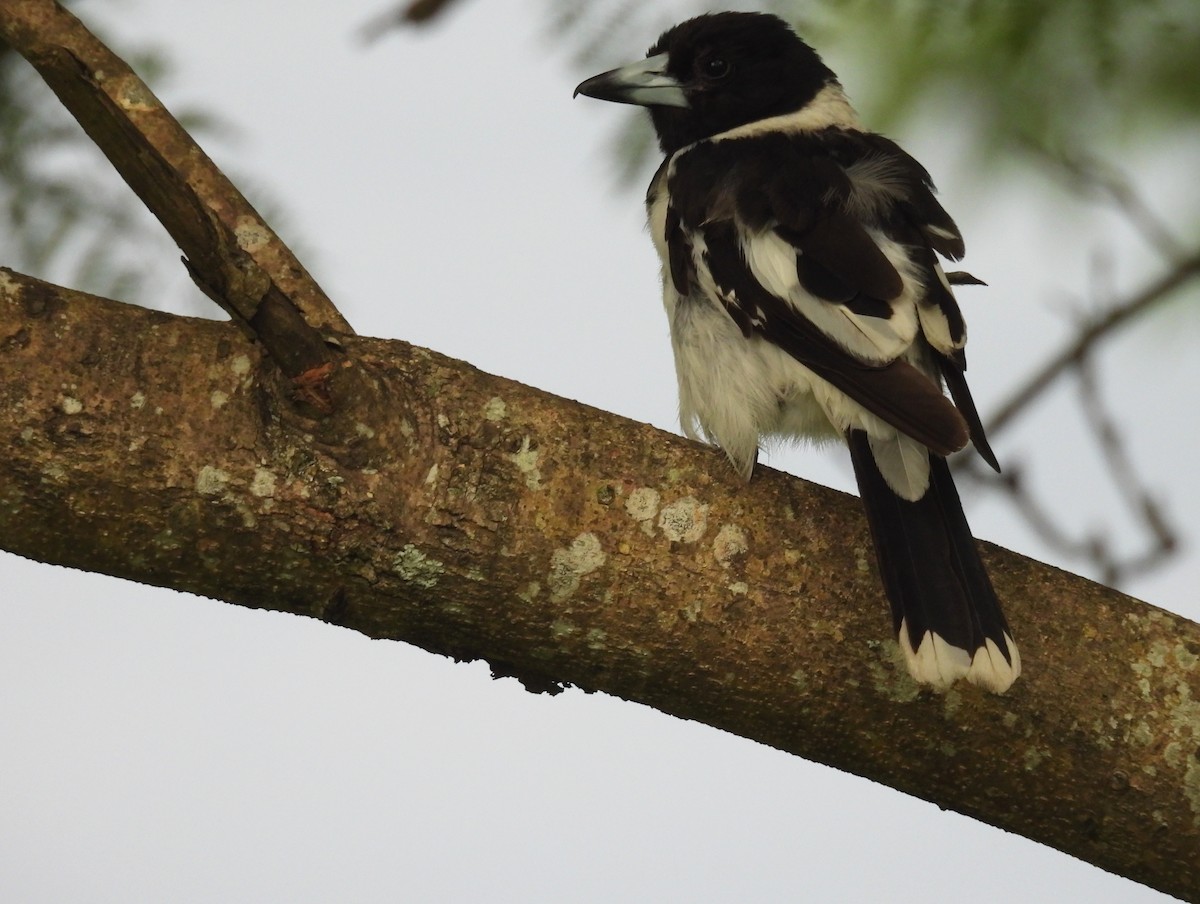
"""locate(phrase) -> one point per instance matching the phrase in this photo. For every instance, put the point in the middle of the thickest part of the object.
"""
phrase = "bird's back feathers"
(805, 296)
(794, 231)
(825, 245)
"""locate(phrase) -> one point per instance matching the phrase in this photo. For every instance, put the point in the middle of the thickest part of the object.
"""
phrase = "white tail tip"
(939, 664)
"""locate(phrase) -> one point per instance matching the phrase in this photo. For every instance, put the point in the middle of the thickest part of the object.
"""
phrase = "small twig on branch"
(1125, 476)
(1092, 334)
(1094, 176)
(1013, 483)
(231, 252)
(1094, 546)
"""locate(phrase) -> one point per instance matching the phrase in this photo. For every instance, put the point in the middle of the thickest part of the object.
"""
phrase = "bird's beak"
(644, 83)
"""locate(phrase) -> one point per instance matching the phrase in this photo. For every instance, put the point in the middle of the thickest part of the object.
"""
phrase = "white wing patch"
(874, 185)
(772, 262)
(903, 462)
(732, 393)
(934, 324)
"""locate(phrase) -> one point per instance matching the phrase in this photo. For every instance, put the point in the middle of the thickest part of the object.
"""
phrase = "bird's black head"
(714, 73)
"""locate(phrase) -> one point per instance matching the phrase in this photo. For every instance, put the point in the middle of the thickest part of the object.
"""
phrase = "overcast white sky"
(445, 189)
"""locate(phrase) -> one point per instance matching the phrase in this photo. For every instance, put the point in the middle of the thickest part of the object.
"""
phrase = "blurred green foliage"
(1050, 75)
(1068, 79)
(1094, 94)
(1072, 80)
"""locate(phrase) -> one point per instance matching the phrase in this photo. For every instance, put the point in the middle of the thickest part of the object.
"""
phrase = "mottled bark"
(280, 462)
(569, 546)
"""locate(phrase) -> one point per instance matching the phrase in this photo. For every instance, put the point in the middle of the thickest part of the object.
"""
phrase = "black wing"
(823, 194)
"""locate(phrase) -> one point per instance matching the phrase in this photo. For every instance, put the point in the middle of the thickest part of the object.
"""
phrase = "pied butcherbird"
(805, 297)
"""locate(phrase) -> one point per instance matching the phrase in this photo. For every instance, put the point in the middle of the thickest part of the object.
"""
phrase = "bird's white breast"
(736, 390)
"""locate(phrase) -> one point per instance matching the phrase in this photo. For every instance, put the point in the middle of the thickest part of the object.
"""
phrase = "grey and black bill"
(802, 279)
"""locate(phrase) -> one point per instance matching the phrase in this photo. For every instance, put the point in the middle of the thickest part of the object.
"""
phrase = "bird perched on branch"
(802, 284)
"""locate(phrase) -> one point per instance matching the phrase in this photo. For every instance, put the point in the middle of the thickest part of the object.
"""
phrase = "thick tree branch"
(566, 545)
(488, 520)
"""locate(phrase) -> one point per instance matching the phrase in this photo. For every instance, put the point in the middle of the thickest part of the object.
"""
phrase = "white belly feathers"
(737, 399)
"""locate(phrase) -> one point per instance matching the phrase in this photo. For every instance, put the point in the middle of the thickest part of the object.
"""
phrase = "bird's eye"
(714, 68)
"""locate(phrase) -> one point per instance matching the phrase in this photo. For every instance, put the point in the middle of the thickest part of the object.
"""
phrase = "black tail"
(945, 612)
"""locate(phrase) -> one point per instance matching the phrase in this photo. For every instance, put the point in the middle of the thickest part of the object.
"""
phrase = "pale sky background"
(445, 189)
